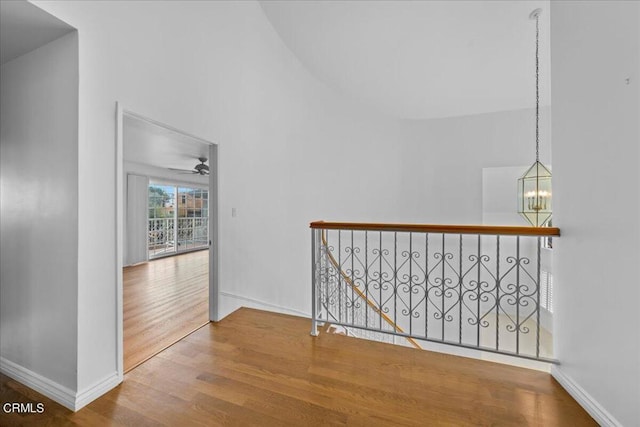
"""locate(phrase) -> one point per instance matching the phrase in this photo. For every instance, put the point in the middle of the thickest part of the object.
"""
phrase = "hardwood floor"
(261, 368)
(164, 300)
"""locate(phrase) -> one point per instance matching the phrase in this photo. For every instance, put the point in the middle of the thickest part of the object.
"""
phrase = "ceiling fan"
(200, 169)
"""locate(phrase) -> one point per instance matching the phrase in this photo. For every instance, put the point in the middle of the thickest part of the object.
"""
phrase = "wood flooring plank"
(257, 368)
(164, 300)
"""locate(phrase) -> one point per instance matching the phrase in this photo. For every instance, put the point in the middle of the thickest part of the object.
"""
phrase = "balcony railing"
(165, 238)
(477, 287)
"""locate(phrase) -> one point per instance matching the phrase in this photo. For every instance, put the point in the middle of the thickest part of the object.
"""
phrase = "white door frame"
(214, 298)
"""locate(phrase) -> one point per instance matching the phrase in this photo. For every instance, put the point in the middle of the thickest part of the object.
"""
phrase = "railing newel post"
(314, 297)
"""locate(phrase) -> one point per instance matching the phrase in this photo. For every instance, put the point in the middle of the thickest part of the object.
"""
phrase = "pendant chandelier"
(534, 187)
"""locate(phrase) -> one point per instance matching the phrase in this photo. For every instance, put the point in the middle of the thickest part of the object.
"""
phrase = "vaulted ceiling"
(420, 59)
(407, 59)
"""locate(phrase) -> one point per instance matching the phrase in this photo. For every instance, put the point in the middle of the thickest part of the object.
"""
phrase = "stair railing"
(355, 302)
(476, 287)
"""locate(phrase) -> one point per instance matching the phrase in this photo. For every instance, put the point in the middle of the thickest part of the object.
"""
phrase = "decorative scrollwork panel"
(476, 291)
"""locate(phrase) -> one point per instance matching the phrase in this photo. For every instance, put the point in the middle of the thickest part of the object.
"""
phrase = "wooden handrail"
(432, 228)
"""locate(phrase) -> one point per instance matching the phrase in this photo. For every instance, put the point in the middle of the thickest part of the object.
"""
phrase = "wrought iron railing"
(477, 287)
(165, 238)
(346, 299)
(161, 236)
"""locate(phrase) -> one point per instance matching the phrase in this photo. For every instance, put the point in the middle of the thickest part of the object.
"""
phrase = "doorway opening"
(167, 236)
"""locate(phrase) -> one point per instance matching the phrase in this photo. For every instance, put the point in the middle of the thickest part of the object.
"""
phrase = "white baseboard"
(600, 414)
(54, 391)
(91, 393)
(255, 303)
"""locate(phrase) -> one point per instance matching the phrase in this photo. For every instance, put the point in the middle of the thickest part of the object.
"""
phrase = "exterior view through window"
(178, 219)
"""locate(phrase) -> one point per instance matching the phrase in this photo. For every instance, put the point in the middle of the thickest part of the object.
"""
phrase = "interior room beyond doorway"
(166, 275)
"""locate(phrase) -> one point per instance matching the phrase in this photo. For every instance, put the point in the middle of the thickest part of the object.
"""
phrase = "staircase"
(342, 300)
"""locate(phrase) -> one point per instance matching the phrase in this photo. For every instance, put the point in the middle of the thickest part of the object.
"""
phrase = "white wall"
(291, 150)
(596, 47)
(39, 211)
(442, 161)
(499, 195)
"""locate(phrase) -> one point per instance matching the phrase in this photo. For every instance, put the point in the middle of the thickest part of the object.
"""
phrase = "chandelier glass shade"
(534, 195)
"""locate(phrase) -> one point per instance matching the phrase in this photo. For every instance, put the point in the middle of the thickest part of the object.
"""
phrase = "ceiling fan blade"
(200, 169)
(181, 170)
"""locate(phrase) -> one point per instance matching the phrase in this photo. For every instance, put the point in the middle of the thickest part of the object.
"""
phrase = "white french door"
(178, 219)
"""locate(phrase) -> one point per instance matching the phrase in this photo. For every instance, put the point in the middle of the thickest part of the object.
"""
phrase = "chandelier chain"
(537, 89)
